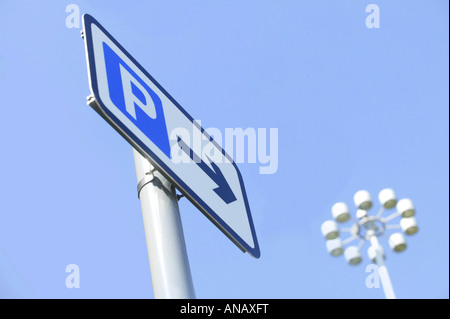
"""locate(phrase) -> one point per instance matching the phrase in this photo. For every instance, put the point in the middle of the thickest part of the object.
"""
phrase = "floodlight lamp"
(340, 212)
(330, 229)
(334, 247)
(373, 253)
(387, 198)
(353, 255)
(409, 225)
(397, 242)
(362, 200)
(406, 208)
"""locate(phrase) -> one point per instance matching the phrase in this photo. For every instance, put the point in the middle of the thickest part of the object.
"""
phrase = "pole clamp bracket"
(148, 177)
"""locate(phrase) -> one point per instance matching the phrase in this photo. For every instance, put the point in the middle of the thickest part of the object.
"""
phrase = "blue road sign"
(136, 106)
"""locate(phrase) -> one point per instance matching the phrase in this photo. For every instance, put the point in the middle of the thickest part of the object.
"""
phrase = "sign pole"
(169, 264)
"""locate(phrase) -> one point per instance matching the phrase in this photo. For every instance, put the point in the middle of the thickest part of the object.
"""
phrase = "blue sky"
(356, 108)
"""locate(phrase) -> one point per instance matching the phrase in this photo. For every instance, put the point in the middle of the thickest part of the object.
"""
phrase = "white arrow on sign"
(134, 104)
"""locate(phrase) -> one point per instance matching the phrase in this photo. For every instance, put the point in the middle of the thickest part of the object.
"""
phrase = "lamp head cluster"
(365, 226)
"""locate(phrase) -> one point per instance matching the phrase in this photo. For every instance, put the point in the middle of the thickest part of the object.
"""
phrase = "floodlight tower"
(370, 228)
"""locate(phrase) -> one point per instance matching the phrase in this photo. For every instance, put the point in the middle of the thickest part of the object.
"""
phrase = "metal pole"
(382, 269)
(169, 264)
